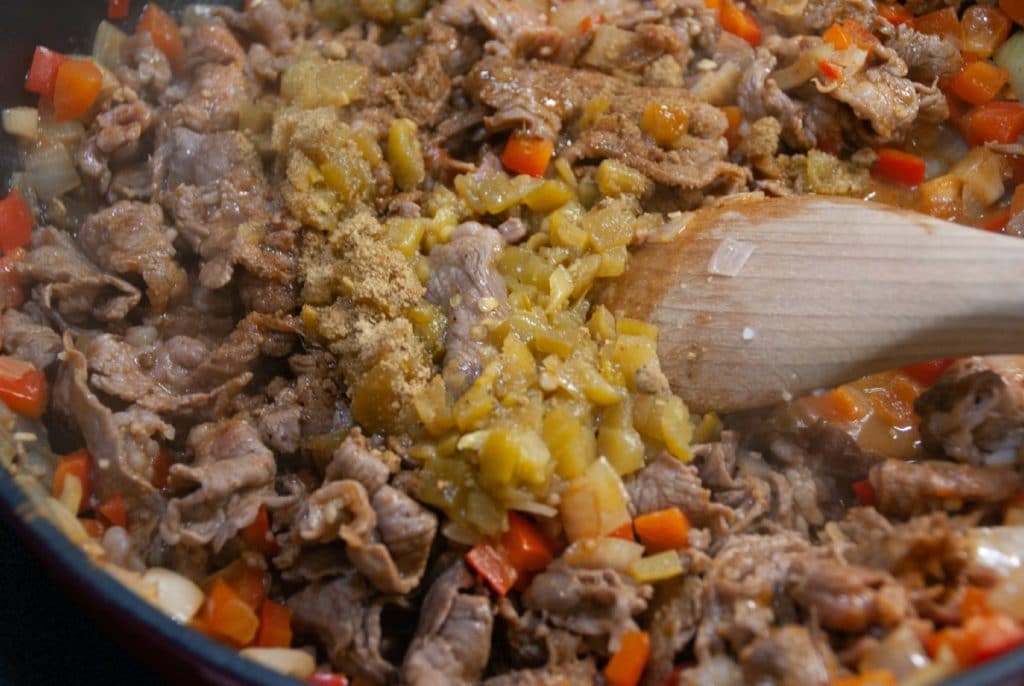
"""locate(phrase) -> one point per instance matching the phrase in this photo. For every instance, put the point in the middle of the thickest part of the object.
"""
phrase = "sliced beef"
(972, 415)
(519, 93)
(590, 602)
(214, 98)
(925, 544)
(844, 597)
(669, 482)
(212, 43)
(673, 618)
(356, 459)
(144, 68)
(123, 445)
(114, 139)
(466, 285)
(71, 288)
(575, 672)
(453, 640)
(271, 23)
(233, 475)
(814, 17)
(759, 96)
(903, 489)
(27, 339)
(928, 57)
(789, 656)
(131, 238)
(524, 30)
(344, 615)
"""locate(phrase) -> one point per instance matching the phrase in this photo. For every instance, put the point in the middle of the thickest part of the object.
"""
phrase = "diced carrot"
(994, 122)
(993, 636)
(165, 32)
(249, 582)
(667, 529)
(831, 70)
(16, 222)
(625, 532)
(160, 469)
(713, 4)
(942, 22)
(927, 373)
(628, 663)
(492, 565)
(78, 85)
(979, 82)
(93, 528)
(899, 167)
(75, 464)
(837, 37)
(865, 492)
(996, 220)
(874, 677)
(22, 387)
(118, 9)
(983, 29)
(114, 510)
(228, 616)
(895, 14)
(524, 546)
(258, 533)
(734, 115)
(275, 626)
(974, 603)
(11, 294)
(740, 21)
(1014, 9)
(42, 74)
(524, 155)
(838, 405)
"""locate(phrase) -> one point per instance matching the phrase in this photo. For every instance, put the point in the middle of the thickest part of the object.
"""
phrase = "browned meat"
(115, 138)
(212, 43)
(343, 615)
(575, 672)
(615, 50)
(588, 602)
(928, 57)
(234, 475)
(674, 616)
(28, 340)
(717, 461)
(338, 509)
(453, 640)
(903, 489)
(144, 68)
(131, 238)
(270, 23)
(466, 285)
(789, 656)
(816, 16)
(972, 416)
(523, 29)
(759, 96)
(846, 597)
(356, 459)
(123, 445)
(71, 288)
(214, 99)
(669, 482)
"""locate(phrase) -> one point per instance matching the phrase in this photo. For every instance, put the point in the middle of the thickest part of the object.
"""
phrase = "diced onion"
(21, 121)
(1008, 595)
(71, 493)
(106, 46)
(730, 256)
(50, 171)
(288, 661)
(65, 132)
(981, 171)
(595, 504)
(1000, 548)
(176, 595)
(603, 553)
(803, 69)
(655, 568)
(900, 652)
(1010, 56)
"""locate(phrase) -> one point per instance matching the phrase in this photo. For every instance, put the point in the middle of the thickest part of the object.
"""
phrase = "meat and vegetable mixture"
(301, 339)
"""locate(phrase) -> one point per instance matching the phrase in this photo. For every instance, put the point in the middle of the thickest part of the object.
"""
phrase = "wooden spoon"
(834, 289)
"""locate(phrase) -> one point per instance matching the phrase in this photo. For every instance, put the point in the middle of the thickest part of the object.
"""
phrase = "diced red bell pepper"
(865, 492)
(42, 74)
(492, 565)
(275, 626)
(994, 122)
(114, 510)
(327, 679)
(16, 222)
(77, 87)
(979, 82)
(899, 167)
(927, 373)
(118, 9)
(258, 533)
(524, 546)
(22, 387)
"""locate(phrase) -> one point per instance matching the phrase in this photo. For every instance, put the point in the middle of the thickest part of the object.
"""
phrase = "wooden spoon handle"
(834, 289)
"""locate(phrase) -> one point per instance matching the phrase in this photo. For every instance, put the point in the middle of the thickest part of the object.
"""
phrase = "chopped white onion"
(106, 46)
(21, 121)
(288, 661)
(50, 171)
(603, 553)
(64, 132)
(900, 652)
(1000, 548)
(730, 256)
(804, 68)
(595, 503)
(176, 595)
(1008, 595)
(71, 493)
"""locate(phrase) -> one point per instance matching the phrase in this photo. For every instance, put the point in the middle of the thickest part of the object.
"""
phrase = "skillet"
(181, 655)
